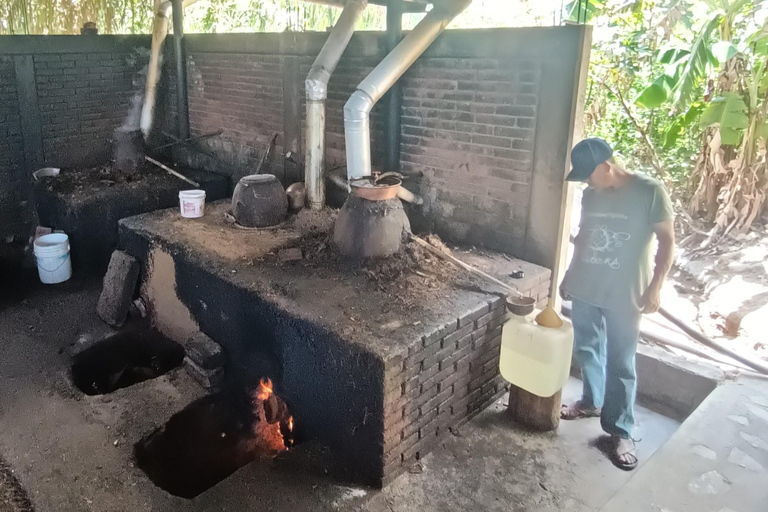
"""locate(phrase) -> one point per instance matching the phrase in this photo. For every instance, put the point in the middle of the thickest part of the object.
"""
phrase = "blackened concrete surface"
(90, 215)
(62, 444)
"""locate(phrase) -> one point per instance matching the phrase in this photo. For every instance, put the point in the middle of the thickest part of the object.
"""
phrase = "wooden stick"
(168, 169)
(469, 268)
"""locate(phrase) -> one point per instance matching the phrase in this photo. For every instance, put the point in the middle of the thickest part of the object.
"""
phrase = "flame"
(265, 389)
(267, 437)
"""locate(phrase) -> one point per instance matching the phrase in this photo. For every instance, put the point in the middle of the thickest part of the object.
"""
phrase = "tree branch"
(644, 135)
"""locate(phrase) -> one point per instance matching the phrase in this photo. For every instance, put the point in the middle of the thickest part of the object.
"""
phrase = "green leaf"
(729, 112)
(652, 96)
(583, 11)
(657, 93)
(681, 124)
(695, 67)
(724, 51)
(672, 55)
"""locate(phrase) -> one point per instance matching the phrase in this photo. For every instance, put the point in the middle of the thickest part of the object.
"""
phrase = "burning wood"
(272, 419)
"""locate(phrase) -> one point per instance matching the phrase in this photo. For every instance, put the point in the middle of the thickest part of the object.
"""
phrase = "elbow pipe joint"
(358, 106)
(317, 88)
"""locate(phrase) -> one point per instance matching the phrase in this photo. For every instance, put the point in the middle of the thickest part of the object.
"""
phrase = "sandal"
(578, 410)
(624, 455)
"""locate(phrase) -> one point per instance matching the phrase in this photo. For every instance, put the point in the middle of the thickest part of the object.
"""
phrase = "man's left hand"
(652, 299)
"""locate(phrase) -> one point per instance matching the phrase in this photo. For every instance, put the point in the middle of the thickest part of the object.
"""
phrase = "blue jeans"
(604, 345)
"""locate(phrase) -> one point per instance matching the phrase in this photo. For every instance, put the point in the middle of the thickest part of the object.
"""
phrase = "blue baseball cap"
(586, 156)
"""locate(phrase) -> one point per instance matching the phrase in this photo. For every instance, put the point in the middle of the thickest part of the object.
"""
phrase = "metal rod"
(395, 94)
(177, 140)
(182, 103)
(171, 171)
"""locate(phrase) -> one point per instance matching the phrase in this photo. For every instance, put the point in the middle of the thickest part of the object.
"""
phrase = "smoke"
(134, 114)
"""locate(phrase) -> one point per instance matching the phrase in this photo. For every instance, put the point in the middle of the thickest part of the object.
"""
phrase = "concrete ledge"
(671, 385)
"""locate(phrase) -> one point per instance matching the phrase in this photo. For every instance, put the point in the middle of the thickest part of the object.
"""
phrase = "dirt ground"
(13, 498)
(72, 452)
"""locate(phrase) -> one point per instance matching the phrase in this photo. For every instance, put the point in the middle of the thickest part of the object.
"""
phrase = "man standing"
(610, 284)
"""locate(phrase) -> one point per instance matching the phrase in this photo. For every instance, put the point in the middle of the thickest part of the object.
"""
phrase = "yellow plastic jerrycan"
(536, 358)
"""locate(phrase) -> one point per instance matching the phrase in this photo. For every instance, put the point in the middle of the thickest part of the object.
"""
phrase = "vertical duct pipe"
(358, 108)
(316, 86)
(182, 103)
(395, 96)
(159, 33)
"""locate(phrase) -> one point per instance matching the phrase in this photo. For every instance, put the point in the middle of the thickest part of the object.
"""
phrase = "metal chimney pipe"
(358, 108)
(316, 86)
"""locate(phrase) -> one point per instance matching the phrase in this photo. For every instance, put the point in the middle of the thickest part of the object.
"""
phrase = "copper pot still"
(259, 201)
(374, 188)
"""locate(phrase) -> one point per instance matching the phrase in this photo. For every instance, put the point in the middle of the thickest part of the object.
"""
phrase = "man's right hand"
(564, 294)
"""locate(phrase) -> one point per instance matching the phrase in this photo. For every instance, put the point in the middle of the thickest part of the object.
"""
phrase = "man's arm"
(665, 234)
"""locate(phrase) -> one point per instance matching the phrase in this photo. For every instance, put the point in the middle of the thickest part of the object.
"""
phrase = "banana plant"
(685, 71)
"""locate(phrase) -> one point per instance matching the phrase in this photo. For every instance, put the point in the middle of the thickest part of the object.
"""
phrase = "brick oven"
(376, 365)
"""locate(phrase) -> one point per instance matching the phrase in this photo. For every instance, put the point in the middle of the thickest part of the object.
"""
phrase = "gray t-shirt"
(611, 263)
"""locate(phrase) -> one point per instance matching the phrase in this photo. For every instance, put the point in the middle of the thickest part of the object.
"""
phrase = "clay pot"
(259, 201)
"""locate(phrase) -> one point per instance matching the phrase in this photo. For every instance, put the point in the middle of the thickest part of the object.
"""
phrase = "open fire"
(211, 438)
(273, 423)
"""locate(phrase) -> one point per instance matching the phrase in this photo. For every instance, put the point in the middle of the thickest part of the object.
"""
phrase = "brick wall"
(469, 127)
(73, 92)
(83, 97)
(488, 117)
(13, 183)
(241, 94)
(446, 378)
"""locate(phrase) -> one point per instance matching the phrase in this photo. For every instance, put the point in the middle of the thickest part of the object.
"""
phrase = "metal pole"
(182, 103)
(395, 101)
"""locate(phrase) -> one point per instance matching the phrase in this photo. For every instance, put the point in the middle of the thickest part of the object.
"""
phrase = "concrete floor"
(72, 452)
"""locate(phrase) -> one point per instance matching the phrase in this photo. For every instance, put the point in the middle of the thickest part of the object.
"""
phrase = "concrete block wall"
(13, 183)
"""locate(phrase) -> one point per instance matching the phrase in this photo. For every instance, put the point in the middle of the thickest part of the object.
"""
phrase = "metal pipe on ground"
(358, 108)
(316, 86)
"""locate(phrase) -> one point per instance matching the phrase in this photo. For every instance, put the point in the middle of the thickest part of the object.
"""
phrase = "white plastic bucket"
(52, 254)
(192, 203)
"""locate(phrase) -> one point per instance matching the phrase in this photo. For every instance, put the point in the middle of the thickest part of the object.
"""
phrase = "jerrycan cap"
(549, 318)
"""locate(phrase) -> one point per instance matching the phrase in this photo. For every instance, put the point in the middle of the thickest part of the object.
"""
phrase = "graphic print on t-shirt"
(602, 242)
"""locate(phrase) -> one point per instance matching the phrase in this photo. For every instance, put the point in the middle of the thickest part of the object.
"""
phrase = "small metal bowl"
(521, 306)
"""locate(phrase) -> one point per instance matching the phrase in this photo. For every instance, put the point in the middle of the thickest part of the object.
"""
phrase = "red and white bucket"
(192, 203)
